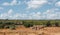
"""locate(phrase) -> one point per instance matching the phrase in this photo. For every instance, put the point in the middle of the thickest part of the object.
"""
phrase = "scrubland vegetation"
(11, 24)
(30, 27)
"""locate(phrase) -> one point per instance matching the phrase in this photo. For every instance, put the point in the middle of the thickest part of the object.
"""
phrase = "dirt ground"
(52, 30)
(29, 31)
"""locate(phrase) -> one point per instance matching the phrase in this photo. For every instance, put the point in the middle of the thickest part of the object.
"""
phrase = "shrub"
(9, 23)
(12, 27)
(48, 24)
(57, 24)
(28, 24)
(1, 25)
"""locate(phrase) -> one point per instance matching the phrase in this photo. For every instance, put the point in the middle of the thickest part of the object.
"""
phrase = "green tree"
(12, 27)
(48, 24)
(9, 23)
(1, 25)
(57, 24)
(28, 24)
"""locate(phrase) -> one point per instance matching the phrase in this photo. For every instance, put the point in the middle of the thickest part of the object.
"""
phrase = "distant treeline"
(12, 24)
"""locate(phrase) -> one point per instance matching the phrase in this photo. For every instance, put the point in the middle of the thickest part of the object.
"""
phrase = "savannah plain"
(37, 27)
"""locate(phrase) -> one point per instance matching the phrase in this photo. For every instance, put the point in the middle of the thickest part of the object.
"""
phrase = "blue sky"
(30, 9)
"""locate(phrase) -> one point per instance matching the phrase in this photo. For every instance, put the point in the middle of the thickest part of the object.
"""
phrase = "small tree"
(9, 23)
(48, 24)
(57, 24)
(1, 25)
(28, 24)
(12, 27)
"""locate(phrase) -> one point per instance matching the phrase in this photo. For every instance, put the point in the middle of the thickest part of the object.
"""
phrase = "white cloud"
(6, 15)
(6, 3)
(14, 2)
(1, 8)
(10, 11)
(49, 14)
(36, 3)
(34, 15)
(51, 11)
(26, 16)
(52, 2)
(52, 14)
(3, 16)
(57, 4)
(19, 16)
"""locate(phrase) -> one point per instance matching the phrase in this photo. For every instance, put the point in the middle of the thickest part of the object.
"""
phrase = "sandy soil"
(30, 31)
(52, 30)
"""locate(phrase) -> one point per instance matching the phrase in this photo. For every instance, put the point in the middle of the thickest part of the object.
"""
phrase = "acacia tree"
(48, 24)
(28, 24)
(57, 24)
(1, 25)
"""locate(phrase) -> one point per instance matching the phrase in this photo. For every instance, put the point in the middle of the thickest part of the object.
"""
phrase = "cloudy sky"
(30, 9)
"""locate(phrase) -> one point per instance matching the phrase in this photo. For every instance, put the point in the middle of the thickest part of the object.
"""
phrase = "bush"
(1, 25)
(12, 27)
(9, 23)
(28, 24)
(57, 24)
(48, 24)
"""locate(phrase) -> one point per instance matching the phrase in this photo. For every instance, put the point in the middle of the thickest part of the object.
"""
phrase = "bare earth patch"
(28, 31)
(52, 30)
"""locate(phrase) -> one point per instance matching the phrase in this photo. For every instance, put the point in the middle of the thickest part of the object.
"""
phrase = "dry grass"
(28, 31)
